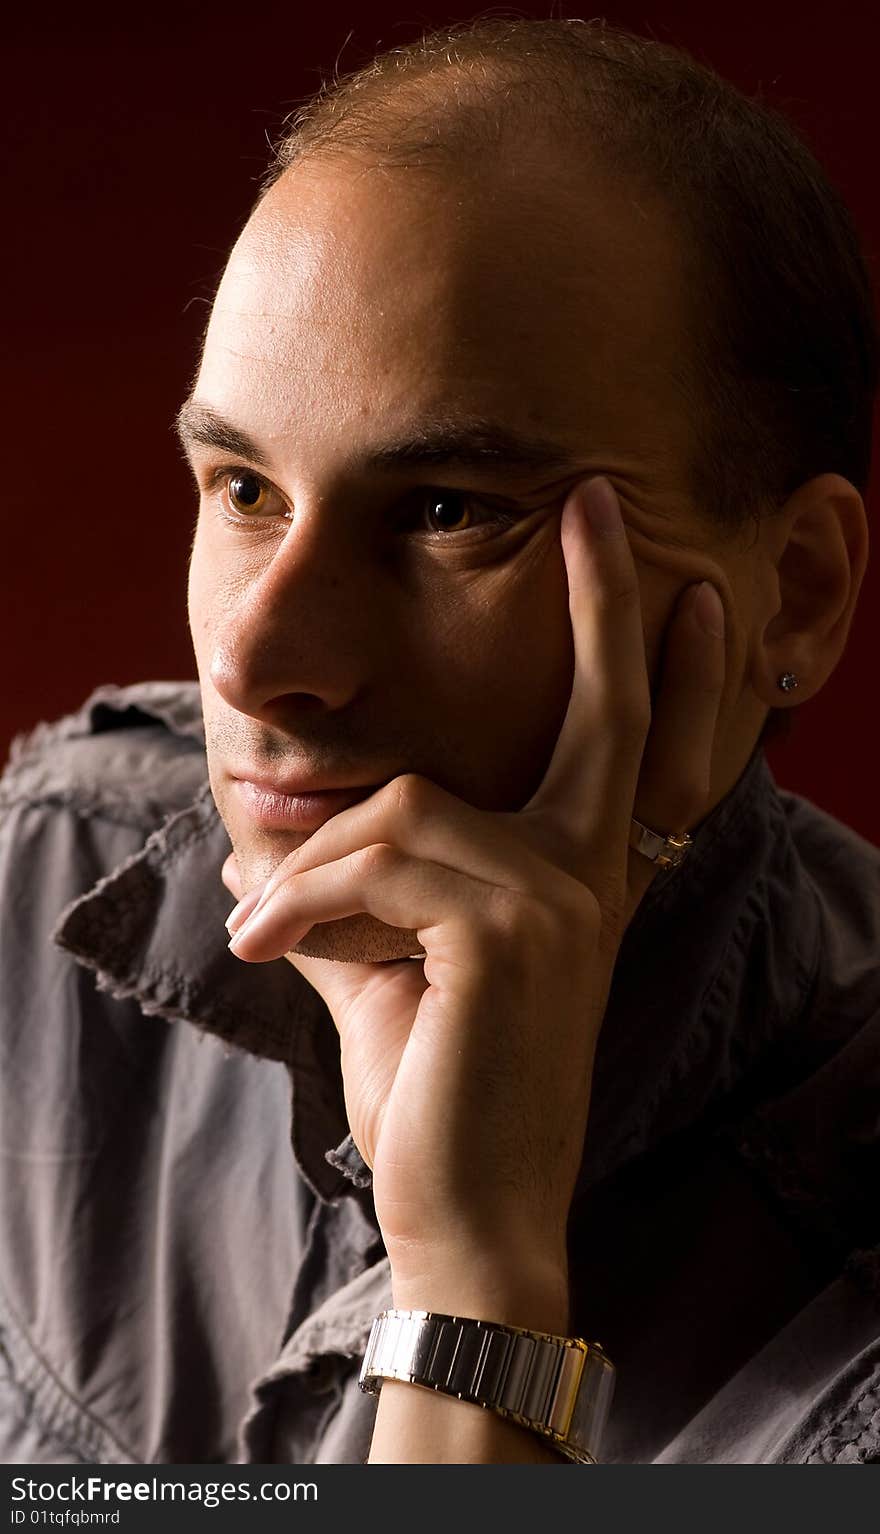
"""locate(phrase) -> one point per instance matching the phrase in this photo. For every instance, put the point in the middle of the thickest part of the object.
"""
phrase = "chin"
(359, 940)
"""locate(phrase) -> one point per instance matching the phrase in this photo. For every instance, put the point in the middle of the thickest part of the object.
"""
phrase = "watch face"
(593, 1403)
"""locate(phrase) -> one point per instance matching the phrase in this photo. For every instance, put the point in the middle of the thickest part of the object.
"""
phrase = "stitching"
(169, 842)
(31, 1415)
(83, 809)
(97, 1435)
(849, 1430)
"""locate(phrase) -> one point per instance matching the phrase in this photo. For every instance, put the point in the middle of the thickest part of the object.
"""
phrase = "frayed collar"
(699, 985)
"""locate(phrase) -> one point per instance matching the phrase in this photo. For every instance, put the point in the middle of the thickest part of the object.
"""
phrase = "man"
(579, 1010)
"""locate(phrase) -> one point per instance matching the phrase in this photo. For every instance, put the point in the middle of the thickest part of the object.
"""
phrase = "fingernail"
(256, 922)
(709, 609)
(244, 908)
(603, 508)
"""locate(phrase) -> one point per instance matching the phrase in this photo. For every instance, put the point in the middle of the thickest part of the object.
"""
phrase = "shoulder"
(131, 755)
(81, 795)
(839, 873)
(811, 1130)
(836, 857)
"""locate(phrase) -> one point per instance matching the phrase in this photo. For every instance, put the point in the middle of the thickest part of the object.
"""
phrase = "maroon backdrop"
(135, 147)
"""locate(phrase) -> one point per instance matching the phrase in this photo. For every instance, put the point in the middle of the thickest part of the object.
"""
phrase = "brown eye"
(449, 511)
(246, 492)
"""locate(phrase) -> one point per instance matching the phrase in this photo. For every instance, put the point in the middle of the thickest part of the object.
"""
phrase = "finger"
(379, 880)
(589, 785)
(573, 808)
(675, 781)
(338, 982)
(230, 876)
(586, 798)
(419, 818)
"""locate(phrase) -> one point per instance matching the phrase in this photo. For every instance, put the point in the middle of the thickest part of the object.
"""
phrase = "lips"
(295, 809)
(297, 787)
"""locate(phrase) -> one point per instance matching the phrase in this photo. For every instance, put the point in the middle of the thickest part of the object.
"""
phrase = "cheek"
(498, 671)
(213, 590)
(196, 589)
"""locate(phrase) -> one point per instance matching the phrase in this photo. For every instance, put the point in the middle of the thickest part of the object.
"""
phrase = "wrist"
(524, 1294)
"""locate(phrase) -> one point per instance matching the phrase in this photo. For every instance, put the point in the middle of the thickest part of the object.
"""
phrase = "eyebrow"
(195, 422)
(474, 443)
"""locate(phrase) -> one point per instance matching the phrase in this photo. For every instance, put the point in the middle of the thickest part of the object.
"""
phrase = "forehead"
(359, 290)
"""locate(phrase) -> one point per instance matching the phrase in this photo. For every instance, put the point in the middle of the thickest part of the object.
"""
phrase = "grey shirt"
(189, 1256)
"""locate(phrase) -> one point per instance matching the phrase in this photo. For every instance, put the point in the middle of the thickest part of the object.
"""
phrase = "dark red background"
(135, 147)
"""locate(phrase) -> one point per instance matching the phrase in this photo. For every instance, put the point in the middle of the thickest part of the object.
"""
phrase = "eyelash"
(501, 518)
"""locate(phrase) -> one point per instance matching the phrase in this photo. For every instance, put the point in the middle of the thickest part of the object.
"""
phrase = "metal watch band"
(560, 1387)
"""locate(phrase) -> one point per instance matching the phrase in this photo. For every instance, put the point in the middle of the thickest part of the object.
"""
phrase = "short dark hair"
(782, 368)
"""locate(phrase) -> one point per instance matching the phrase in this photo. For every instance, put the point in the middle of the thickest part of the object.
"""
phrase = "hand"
(467, 1076)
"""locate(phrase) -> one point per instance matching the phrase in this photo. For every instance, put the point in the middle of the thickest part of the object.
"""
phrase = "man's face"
(356, 619)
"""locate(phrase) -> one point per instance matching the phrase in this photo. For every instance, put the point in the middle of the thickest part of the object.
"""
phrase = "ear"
(816, 551)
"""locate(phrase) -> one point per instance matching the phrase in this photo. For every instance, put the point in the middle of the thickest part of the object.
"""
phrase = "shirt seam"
(85, 809)
(62, 1414)
(838, 1436)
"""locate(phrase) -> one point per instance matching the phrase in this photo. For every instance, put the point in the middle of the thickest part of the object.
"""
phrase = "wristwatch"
(560, 1387)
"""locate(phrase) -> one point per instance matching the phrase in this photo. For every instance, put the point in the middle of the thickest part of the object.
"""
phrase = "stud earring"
(787, 682)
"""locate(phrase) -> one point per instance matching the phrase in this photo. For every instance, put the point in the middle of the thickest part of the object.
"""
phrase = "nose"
(296, 622)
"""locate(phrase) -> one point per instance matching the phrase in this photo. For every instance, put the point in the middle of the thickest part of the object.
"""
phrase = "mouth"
(276, 809)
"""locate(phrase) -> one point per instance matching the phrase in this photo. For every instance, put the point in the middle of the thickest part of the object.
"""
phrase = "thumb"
(230, 876)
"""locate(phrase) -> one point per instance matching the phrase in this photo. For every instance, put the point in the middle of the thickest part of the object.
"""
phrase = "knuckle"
(411, 795)
(577, 920)
(639, 709)
(507, 916)
(569, 917)
(630, 709)
(584, 910)
(608, 918)
(543, 933)
(377, 860)
(621, 592)
(627, 592)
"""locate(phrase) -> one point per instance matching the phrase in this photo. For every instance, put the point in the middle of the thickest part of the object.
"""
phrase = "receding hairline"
(395, 130)
(390, 107)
